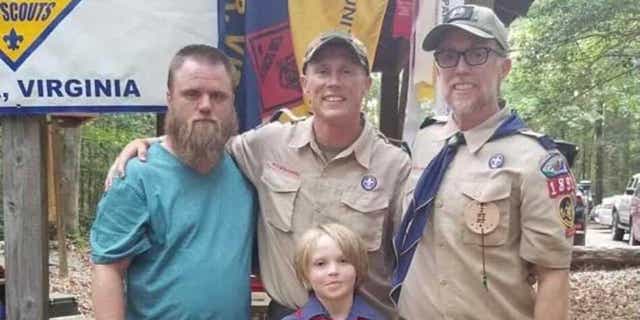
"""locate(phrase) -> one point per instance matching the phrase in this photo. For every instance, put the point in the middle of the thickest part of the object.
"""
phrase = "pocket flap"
(487, 191)
(365, 201)
(278, 182)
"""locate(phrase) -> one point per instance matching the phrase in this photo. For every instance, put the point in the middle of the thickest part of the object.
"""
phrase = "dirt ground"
(595, 295)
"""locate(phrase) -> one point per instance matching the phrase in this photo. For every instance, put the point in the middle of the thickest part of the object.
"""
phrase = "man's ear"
(168, 97)
(505, 68)
(303, 83)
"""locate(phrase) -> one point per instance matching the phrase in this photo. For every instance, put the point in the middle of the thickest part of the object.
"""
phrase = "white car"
(602, 213)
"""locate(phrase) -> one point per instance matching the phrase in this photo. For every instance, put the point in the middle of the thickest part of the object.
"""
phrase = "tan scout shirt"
(360, 188)
(444, 280)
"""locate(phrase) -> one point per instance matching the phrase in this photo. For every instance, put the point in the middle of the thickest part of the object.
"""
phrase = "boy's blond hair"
(349, 243)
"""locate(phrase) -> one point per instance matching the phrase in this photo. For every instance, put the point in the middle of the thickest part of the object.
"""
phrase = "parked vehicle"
(626, 213)
(601, 214)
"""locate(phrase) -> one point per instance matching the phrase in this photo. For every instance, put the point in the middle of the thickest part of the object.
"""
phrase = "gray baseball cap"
(477, 20)
(349, 41)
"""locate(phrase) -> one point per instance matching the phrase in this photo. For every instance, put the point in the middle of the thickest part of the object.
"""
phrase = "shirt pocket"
(366, 215)
(278, 198)
(497, 192)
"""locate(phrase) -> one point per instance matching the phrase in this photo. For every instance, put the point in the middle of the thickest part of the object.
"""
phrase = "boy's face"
(330, 275)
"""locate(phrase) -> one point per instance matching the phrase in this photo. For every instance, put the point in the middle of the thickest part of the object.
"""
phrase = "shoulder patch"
(431, 120)
(554, 165)
(566, 211)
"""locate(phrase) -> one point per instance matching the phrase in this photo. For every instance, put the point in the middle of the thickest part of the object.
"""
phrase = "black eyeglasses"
(473, 57)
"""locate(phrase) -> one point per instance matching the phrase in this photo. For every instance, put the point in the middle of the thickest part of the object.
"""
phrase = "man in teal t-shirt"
(180, 252)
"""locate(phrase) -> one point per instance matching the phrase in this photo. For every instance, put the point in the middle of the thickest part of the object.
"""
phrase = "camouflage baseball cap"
(477, 20)
(337, 37)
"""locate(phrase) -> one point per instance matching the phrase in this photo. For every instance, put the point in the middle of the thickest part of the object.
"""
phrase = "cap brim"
(339, 41)
(434, 37)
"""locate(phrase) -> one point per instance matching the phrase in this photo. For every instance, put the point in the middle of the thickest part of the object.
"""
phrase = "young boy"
(331, 261)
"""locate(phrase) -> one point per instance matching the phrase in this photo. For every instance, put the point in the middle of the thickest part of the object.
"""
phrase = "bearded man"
(177, 231)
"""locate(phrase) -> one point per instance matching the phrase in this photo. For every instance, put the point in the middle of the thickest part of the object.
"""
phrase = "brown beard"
(200, 143)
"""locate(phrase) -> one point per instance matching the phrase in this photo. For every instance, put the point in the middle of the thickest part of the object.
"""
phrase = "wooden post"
(27, 276)
(54, 157)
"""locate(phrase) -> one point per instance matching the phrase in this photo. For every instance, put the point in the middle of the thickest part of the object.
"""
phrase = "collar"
(477, 136)
(359, 310)
(361, 148)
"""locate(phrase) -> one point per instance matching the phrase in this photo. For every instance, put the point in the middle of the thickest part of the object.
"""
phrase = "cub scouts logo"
(369, 182)
(25, 24)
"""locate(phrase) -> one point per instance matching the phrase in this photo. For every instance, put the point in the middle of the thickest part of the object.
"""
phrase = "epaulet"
(285, 115)
(431, 120)
(545, 141)
(400, 144)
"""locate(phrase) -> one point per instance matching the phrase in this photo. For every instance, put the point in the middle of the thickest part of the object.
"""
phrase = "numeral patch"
(560, 185)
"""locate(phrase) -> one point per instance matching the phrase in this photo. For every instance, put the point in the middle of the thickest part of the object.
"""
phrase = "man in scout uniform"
(332, 167)
(491, 204)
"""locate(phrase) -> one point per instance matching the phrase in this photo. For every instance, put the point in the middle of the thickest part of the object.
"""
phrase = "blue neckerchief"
(359, 310)
(415, 219)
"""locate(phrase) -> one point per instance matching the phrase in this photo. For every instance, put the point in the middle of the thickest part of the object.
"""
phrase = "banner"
(95, 55)
(270, 48)
(423, 99)
(361, 18)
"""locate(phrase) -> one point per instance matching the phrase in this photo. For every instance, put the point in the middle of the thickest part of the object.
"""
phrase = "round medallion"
(481, 217)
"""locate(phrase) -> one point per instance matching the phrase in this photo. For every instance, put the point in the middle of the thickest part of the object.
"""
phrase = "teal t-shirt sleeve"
(119, 230)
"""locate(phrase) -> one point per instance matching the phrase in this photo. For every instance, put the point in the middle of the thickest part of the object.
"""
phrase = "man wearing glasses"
(491, 210)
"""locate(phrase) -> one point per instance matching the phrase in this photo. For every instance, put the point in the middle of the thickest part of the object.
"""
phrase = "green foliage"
(102, 140)
(576, 76)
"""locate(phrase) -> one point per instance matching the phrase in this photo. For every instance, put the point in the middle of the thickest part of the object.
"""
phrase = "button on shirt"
(444, 280)
(298, 188)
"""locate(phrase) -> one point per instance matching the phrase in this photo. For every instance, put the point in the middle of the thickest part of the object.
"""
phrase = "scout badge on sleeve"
(567, 214)
(482, 218)
(554, 165)
(559, 180)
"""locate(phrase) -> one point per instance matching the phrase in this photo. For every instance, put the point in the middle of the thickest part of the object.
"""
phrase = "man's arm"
(137, 147)
(553, 294)
(107, 290)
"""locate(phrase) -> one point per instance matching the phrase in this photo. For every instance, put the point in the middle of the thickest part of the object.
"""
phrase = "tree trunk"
(598, 156)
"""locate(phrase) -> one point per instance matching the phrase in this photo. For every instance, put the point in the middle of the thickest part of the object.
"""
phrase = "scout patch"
(567, 212)
(481, 217)
(554, 166)
(560, 185)
(369, 182)
(496, 161)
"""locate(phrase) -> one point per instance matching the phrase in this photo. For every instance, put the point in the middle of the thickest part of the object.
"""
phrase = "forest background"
(575, 77)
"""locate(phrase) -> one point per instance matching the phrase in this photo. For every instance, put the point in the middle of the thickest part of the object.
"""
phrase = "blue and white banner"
(95, 55)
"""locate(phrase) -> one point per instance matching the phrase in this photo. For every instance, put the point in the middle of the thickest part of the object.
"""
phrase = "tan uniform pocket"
(496, 192)
(278, 198)
(366, 215)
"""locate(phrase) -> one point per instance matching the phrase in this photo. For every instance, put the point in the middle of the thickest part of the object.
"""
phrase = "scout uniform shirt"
(521, 193)
(298, 188)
